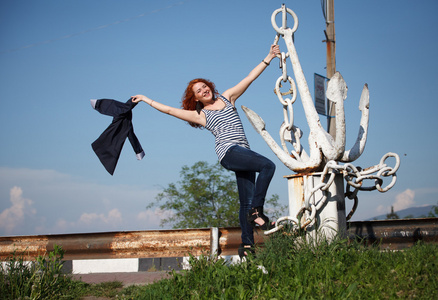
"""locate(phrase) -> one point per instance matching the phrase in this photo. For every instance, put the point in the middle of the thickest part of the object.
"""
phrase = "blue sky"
(56, 55)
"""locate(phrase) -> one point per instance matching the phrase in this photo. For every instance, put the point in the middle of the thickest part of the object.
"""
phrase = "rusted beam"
(395, 234)
(391, 234)
(154, 243)
(230, 239)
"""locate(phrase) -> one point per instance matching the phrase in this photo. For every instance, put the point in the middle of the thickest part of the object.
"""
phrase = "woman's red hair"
(189, 100)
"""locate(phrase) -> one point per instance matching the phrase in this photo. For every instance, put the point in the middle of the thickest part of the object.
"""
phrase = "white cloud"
(404, 200)
(381, 209)
(91, 222)
(65, 204)
(153, 217)
(112, 221)
(113, 217)
(21, 209)
(63, 225)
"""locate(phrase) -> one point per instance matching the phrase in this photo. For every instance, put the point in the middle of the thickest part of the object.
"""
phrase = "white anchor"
(322, 146)
(318, 198)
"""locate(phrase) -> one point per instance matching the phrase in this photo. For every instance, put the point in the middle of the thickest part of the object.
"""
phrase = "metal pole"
(331, 60)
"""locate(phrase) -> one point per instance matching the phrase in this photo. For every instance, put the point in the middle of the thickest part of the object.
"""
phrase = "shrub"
(40, 279)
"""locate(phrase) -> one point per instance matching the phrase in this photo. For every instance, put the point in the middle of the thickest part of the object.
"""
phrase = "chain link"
(354, 177)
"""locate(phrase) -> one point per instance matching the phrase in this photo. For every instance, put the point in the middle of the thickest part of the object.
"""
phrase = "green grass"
(295, 270)
(41, 279)
(299, 270)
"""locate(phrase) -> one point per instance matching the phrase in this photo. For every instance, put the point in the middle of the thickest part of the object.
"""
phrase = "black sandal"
(257, 212)
(245, 248)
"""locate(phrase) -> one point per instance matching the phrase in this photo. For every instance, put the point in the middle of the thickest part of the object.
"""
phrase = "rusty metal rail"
(395, 234)
(391, 234)
(125, 244)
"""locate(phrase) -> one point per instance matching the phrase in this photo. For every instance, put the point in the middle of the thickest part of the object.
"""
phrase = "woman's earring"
(198, 107)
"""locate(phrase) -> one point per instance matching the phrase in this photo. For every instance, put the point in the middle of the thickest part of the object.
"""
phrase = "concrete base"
(330, 217)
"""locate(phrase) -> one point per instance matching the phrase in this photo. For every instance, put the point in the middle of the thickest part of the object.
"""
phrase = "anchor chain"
(354, 176)
(288, 112)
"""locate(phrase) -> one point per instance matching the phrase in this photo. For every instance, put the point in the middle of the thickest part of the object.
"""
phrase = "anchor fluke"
(255, 120)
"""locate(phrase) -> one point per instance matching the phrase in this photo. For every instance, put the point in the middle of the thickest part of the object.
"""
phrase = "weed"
(40, 279)
(14, 278)
(105, 289)
(298, 268)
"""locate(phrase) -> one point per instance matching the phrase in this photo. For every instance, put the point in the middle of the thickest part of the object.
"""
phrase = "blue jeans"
(252, 192)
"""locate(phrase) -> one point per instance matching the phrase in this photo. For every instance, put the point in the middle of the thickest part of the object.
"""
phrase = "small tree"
(392, 215)
(206, 196)
(433, 212)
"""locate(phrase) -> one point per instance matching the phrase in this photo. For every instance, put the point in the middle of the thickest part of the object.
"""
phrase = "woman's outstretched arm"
(235, 92)
(185, 115)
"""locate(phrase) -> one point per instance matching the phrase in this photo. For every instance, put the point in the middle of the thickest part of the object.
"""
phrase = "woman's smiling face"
(202, 92)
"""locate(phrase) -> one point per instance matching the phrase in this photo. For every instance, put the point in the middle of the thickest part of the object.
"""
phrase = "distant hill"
(415, 212)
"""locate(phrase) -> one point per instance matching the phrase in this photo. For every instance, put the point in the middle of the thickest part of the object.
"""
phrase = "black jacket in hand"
(110, 143)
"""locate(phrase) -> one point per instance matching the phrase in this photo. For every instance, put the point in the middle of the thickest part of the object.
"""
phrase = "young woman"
(203, 106)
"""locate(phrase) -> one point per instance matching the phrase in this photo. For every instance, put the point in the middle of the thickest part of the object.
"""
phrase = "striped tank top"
(227, 128)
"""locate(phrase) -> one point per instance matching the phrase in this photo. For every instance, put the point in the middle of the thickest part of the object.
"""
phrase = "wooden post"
(331, 60)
